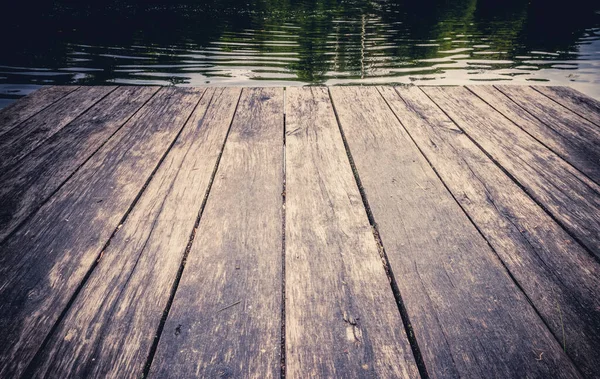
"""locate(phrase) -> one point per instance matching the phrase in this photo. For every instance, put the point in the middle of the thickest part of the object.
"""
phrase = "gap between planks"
(381, 249)
(283, 220)
(163, 320)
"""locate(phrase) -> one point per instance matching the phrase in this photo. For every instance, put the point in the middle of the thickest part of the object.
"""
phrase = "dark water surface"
(297, 42)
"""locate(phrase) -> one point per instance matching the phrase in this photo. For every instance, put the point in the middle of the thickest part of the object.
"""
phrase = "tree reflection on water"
(287, 42)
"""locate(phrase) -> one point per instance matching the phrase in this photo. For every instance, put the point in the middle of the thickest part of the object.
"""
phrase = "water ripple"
(312, 42)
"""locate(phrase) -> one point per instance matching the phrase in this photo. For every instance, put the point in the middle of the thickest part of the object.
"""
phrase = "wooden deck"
(387, 232)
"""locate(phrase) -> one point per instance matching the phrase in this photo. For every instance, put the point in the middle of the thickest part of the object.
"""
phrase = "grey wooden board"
(21, 140)
(468, 316)
(27, 185)
(44, 261)
(577, 102)
(574, 139)
(560, 277)
(148, 250)
(225, 320)
(28, 106)
(568, 195)
(341, 316)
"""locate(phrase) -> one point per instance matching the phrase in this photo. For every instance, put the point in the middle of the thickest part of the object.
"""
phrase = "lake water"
(288, 42)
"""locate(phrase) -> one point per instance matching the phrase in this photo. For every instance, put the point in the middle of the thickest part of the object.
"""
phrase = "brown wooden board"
(468, 316)
(44, 262)
(561, 279)
(572, 138)
(225, 320)
(577, 102)
(20, 141)
(562, 190)
(28, 106)
(341, 316)
(148, 251)
(30, 183)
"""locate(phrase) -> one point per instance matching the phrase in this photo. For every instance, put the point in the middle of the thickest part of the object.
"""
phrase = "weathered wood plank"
(468, 316)
(28, 106)
(341, 316)
(577, 102)
(226, 315)
(27, 185)
(560, 277)
(18, 142)
(568, 195)
(148, 251)
(574, 139)
(44, 261)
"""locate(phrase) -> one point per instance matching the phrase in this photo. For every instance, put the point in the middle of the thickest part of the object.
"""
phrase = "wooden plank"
(574, 100)
(468, 316)
(560, 277)
(569, 196)
(44, 261)
(568, 135)
(30, 183)
(341, 316)
(18, 142)
(131, 285)
(28, 106)
(226, 315)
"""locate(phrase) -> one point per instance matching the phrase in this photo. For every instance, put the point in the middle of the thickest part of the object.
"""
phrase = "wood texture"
(468, 316)
(573, 100)
(568, 195)
(568, 135)
(148, 249)
(27, 185)
(225, 320)
(43, 263)
(129, 245)
(560, 278)
(28, 106)
(341, 316)
(20, 141)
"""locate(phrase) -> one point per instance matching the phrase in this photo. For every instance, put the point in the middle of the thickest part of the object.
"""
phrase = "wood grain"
(225, 320)
(28, 106)
(341, 316)
(559, 277)
(572, 138)
(30, 183)
(490, 235)
(18, 142)
(565, 193)
(44, 262)
(468, 316)
(148, 249)
(574, 100)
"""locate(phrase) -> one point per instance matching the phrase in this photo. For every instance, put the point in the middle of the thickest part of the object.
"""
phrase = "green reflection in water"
(292, 42)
